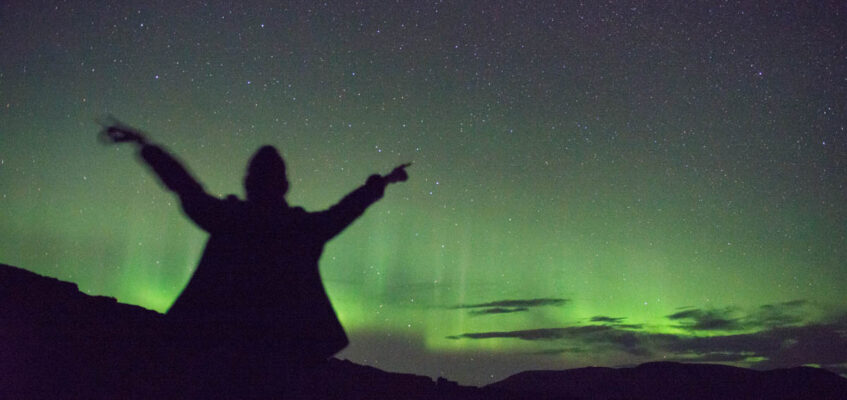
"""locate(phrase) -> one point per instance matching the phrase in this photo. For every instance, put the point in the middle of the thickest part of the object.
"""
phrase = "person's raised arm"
(199, 205)
(339, 216)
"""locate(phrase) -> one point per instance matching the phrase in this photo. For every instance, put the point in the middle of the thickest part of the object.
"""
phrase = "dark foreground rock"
(56, 342)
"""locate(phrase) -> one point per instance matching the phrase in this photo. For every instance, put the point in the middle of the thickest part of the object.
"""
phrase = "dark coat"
(258, 279)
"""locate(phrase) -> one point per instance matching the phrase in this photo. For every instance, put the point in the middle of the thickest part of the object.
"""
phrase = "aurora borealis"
(593, 184)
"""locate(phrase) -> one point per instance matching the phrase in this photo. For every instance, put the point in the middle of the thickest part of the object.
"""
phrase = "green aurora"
(669, 179)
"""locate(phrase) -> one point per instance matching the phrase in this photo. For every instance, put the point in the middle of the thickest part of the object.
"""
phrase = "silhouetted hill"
(56, 342)
(669, 380)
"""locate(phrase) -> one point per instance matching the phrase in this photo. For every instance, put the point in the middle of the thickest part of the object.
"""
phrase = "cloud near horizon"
(707, 320)
(603, 318)
(509, 306)
(498, 310)
(783, 314)
(771, 336)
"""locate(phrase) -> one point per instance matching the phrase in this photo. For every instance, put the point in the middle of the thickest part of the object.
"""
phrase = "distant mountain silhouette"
(56, 342)
(669, 380)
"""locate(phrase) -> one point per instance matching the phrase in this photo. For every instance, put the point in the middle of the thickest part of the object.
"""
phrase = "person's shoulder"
(232, 202)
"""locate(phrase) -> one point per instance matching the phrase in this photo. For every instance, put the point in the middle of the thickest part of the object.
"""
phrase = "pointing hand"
(398, 174)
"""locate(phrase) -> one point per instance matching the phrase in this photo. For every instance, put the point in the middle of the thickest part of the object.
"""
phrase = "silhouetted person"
(256, 298)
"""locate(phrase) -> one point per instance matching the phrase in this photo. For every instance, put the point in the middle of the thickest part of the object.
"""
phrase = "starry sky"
(594, 183)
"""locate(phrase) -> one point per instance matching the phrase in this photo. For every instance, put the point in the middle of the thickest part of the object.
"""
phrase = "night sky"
(593, 184)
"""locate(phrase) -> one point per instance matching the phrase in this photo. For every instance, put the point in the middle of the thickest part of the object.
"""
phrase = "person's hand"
(398, 174)
(120, 135)
(116, 132)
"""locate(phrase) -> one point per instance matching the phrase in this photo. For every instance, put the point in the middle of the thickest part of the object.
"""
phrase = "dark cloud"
(589, 338)
(790, 313)
(498, 310)
(780, 314)
(629, 326)
(509, 306)
(613, 320)
(616, 322)
(792, 303)
(707, 320)
(517, 303)
(626, 341)
(537, 334)
(822, 343)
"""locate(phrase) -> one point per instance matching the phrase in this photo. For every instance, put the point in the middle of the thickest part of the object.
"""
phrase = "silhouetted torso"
(258, 279)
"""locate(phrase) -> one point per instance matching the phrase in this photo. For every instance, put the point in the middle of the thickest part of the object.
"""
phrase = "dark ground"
(56, 342)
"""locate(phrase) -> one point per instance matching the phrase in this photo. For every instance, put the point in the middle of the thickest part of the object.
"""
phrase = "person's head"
(265, 180)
